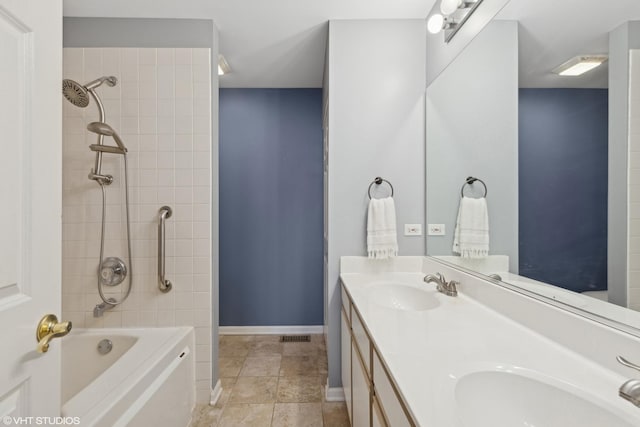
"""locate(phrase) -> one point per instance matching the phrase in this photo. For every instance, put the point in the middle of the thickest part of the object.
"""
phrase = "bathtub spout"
(99, 309)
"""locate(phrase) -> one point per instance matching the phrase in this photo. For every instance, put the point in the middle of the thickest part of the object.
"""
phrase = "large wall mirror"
(559, 155)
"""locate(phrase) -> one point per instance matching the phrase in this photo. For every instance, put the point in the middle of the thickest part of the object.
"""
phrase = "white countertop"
(428, 351)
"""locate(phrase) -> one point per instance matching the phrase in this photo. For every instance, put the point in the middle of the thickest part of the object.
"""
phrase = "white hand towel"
(382, 242)
(471, 238)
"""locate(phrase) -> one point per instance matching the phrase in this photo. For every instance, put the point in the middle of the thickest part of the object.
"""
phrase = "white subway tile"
(184, 301)
(201, 56)
(165, 142)
(202, 90)
(166, 177)
(130, 108)
(201, 194)
(129, 125)
(147, 56)
(201, 317)
(201, 212)
(201, 73)
(184, 195)
(184, 317)
(165, 56)
(201, 248)
(202, 143)
(148, 106)
(166, 108)
(184, 142)
(201, 161)
(203, 336)
(184, 124)
(148, 90)
(165, 160)
(149, 196)
(202, 124)
(166, 126)
(148, 125)
(183, 56)
(201, 107)
(201, 230)
(184, 178)
(184, 107)
(184, 230)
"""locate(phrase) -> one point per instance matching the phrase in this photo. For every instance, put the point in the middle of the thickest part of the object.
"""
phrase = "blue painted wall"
(563, 187)
(271, 207)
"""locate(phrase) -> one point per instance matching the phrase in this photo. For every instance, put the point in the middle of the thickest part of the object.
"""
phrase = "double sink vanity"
(490, 356)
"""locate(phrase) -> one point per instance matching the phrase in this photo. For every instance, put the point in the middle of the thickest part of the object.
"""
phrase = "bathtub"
(146, 379)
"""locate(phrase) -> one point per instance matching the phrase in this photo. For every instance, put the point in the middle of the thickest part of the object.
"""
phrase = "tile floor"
(269, 383)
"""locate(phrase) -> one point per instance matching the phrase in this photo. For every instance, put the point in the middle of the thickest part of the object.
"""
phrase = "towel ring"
(469, 181)
(379, 181)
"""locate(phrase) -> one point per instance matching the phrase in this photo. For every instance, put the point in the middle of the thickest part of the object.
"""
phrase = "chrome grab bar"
(163, 284)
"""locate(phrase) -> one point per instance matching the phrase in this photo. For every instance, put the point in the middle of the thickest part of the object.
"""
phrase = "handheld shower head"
(78, 94)
(104, 129)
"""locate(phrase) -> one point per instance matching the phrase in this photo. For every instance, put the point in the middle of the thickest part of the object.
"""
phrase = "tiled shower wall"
(161, 108)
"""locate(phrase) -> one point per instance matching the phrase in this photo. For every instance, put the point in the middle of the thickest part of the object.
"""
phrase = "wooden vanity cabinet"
(370, 394)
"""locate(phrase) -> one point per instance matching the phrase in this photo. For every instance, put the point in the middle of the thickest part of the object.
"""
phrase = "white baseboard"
(270, 330)
(333, 394)
(216, 393)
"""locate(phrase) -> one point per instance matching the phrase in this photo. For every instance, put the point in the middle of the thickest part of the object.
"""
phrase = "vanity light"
(435, 23)
(223, 66)
(454, 15)
(580, 65)
(447, 7)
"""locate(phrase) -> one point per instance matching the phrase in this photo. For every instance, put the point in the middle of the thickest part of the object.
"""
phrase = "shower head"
(75, 93)
(104, 129)
(78, 94)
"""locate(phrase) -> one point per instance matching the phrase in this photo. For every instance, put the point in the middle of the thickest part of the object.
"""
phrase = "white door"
(30, 204)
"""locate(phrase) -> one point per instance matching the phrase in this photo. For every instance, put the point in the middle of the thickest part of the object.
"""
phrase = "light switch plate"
(413, 229)
(436, 230)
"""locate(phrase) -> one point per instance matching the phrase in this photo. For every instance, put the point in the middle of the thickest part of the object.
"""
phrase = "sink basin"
(402, 297)
(502, 399)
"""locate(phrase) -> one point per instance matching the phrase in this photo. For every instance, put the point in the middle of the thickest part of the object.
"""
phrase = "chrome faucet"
(99, 309)
(447, 288)
(630, 390)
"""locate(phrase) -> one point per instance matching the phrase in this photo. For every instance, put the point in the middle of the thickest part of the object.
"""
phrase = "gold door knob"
(48, 329)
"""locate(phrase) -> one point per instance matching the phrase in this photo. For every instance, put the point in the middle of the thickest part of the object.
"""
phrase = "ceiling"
(552, 32)
(281, 43)
(267, 43)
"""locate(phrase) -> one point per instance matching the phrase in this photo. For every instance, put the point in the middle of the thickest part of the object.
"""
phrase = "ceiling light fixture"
(223, 66)
(580, 64)
(454, 15)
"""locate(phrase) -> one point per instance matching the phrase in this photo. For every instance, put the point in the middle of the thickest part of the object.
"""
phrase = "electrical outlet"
(413, 229)
(436, 230)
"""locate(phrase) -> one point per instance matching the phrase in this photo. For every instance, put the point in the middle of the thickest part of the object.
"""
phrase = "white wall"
(621, 129)
(161, 108)
(472, 130)
(376, 128)
(441, 54)
(633, 263)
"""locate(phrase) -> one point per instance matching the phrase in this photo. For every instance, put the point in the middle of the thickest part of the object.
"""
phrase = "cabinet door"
(346, 362)
(377, 419)
(387, 397)
(361, 400)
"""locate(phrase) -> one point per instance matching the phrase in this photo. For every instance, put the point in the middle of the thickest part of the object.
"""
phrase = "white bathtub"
(147, 379)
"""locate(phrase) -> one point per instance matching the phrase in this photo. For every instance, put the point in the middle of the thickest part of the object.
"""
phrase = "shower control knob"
(112, 271)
